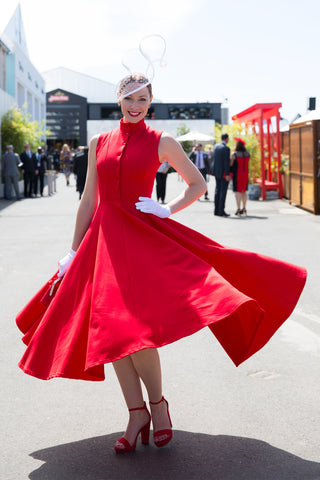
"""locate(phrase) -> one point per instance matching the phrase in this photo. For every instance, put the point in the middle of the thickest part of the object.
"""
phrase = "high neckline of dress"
(130, 126)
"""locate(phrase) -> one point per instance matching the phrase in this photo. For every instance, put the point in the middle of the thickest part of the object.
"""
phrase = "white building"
(93, 89)
(6, 92)
(24, 82)
(103, 113)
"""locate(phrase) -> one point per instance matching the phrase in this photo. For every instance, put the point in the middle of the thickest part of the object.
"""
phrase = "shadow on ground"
(6, 203)
(189, 456)
(249, 217)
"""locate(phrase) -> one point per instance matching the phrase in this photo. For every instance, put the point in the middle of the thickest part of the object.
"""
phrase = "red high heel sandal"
(162, 433)
(145, 433)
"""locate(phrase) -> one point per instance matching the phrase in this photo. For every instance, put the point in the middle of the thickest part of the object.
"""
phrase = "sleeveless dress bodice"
(132, 153)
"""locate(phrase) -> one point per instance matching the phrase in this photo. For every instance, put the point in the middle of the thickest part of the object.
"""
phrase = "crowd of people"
(225, 167)
(33, 166)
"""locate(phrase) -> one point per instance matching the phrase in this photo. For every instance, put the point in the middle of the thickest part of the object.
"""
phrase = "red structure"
(259, 115)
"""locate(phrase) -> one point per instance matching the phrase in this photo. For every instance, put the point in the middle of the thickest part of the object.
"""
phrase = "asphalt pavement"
(259, 421)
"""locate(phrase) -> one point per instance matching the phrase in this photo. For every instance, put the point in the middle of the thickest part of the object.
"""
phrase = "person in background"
(221, 171)
(161, 181)
(29, 170)
(56, 160)
(210, 157)
(10, 163)
(41, 167)
(80, 166)
(66, 162)
(240, 168)
(200, 159)
(2, 172)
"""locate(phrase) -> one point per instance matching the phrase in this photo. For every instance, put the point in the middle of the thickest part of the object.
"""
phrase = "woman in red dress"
(240, 169)
(136, 280)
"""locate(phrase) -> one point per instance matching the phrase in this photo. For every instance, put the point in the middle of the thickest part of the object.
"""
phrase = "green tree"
(252, 145)
(182, 129)
(17, 129)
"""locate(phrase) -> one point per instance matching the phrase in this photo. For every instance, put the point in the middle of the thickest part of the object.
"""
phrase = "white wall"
(93, 89)
(6, 102)
(204, 126)
(30, 86)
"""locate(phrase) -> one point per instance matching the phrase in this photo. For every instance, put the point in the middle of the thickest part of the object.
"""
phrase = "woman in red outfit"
(240, 168)
(127, 256)
(145, 364)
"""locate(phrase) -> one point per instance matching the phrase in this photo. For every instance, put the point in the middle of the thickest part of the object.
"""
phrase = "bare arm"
(171, 150)
(89, 198)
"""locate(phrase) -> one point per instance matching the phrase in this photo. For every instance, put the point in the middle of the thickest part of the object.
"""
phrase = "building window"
(110, 113)
(36, 84)
(29, 76)
(64, 123)
(188, 113)
(21, 67)
(151, 114)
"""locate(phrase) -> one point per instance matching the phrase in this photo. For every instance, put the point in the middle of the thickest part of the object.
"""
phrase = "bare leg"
(244, 200)
(238, 200)
(145, 365)
(131, 388)
(129, 382)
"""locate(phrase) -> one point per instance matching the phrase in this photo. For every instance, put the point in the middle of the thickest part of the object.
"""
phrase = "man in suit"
(221, 171)
(10, 163)
(28, 169)
(200, 159)
(41, 167)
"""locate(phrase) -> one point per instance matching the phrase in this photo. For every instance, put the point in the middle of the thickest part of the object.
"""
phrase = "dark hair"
(240, 147)
(224, 136)
(134, 78)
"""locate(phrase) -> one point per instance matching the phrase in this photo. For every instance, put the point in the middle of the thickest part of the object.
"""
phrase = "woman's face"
(134, 106)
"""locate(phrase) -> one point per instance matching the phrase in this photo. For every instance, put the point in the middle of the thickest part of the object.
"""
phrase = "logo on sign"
(59, 97)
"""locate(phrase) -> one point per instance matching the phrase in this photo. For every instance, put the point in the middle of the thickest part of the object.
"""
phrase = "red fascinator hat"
(240, 140)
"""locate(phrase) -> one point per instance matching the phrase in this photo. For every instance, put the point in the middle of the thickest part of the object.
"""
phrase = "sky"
(248, 51)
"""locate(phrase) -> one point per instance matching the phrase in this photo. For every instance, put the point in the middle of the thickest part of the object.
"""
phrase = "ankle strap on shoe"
(138, 408)
(157, 403)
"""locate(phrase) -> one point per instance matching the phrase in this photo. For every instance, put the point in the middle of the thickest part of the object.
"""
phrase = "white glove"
(65, 262)
(147, 205)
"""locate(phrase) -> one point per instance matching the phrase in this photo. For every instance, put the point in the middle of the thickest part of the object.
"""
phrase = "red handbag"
(51, 291)
(29, 318)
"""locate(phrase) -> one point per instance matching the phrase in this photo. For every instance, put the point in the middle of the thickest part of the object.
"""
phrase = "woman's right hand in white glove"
(148, 205)
(65, 263)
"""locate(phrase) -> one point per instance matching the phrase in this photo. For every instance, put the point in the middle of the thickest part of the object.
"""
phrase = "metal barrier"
(52, 181)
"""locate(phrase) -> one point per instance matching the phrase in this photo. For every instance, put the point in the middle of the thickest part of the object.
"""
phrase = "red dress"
(139, 281)
(240, 170)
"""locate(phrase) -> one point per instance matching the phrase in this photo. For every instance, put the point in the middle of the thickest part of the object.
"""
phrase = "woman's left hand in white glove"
(148, 205)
